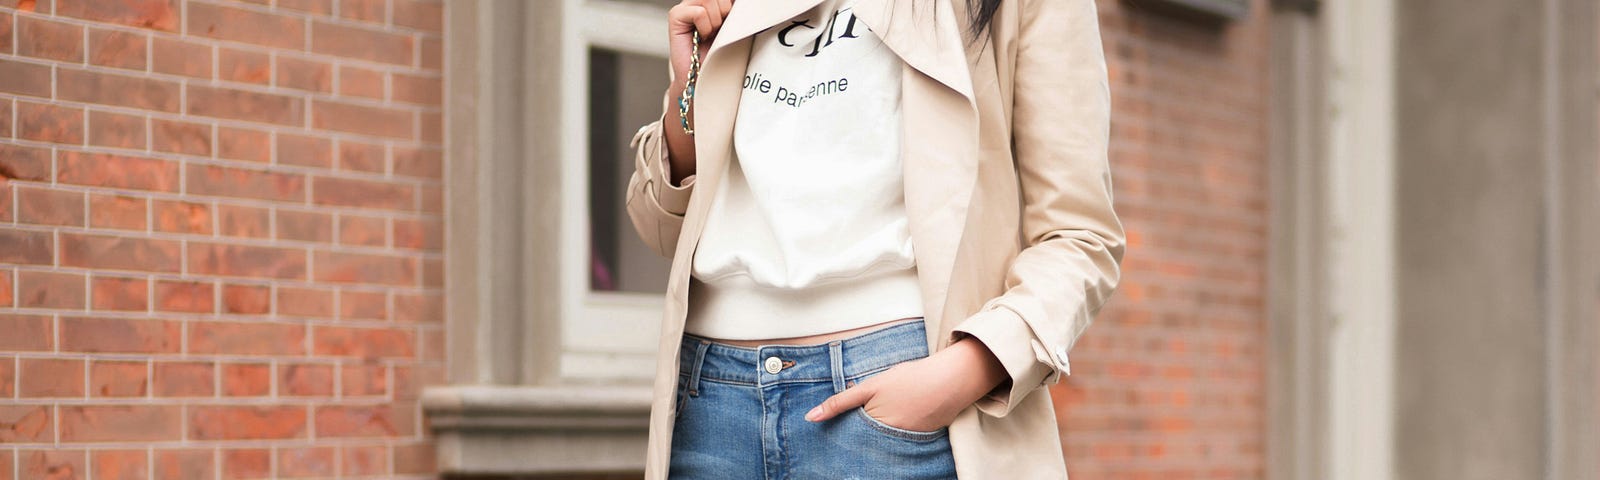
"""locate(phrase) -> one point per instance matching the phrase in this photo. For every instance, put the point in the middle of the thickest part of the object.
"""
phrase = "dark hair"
(981, 12)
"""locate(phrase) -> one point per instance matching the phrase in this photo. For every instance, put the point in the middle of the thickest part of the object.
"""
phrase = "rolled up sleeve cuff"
(674, 198)
(652, 143)
(1025, 360)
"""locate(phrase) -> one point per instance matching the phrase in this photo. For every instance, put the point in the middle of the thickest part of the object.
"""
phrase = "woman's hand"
(923, 394)
(685, 18)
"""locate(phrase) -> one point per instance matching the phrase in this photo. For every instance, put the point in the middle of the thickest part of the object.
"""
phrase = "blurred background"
(385, 239)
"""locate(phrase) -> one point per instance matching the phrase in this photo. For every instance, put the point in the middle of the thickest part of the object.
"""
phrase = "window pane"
(624, 94)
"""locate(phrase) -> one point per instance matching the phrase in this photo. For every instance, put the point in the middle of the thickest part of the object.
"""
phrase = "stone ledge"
(508, 430)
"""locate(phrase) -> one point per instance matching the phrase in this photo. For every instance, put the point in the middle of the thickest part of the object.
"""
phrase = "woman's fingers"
(714, 13)
(688, 17)
(704, 16)
(840, 402)
(724, 6)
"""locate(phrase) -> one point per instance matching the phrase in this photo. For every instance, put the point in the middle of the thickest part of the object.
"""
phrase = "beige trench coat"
(1007, 190)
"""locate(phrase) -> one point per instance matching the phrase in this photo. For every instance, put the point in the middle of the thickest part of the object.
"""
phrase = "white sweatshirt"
(808, 234)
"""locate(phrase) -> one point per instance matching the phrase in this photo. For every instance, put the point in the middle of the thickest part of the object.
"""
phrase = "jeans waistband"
(855, 356)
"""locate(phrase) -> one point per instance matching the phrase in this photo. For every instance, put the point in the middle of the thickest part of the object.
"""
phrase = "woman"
(889, 221)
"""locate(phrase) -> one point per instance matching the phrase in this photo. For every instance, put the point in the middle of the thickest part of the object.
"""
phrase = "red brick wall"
(220, 237)
(1169, 383)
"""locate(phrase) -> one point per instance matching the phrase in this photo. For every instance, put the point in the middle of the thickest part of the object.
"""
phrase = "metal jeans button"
(774, 365)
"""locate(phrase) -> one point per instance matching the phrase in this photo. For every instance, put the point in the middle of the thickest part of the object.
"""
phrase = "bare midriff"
(818, 338)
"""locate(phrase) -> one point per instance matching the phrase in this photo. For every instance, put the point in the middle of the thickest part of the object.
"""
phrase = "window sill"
(524, 430)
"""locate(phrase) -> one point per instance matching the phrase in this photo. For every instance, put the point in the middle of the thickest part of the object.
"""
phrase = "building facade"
(384, 239)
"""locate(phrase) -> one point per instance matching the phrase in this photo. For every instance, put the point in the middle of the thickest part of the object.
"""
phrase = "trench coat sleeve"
(1070, 263)
(655, 205)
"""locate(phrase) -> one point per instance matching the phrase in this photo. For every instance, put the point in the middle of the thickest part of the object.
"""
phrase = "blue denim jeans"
(741, 412)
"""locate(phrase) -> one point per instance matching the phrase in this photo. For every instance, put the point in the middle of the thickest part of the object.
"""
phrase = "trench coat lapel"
(939, 116)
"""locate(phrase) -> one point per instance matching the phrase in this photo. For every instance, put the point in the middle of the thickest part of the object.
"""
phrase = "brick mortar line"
(1197, 413)
(14, 35)
(1225, 111)
(305, 38)
(1216, 312)
(1184, 186)
(16, 368)
(1159, 174)
(332, 17)
(15, 289)
(1174, 129)
(150, 379)
(1194, 213)
(1253, 327)
(216, 70)
(222, 401)
(1143, 333)
(236, 164)
(215, 82)
(1167, 124)
(387, 362)
(416, 127)
(15, 200)
(338, 382)
(86, 44)
(314, 442)
(1186, 60)
(1211, 80)
(1235, 83)
(248, 164)
(154, 277)
(1201, 211)
(1249, 284)
(272, 220)
(1210, 328)
(1187, 104)
(215, 216)
(184, 274)
(233, 202)
(418, 328)
(184, 409)
(1170, 234)
(1101, 411)
(1167, 360)
(218, 398)
(182, 29)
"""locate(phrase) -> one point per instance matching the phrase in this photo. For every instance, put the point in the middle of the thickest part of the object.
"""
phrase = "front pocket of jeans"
(888, 429)
(682, 393)
(897, 432)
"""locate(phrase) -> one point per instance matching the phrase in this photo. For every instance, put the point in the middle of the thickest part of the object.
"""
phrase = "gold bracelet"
(688, 86)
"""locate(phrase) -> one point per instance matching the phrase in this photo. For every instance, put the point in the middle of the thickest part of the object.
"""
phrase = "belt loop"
(836, 363)
(699, 359)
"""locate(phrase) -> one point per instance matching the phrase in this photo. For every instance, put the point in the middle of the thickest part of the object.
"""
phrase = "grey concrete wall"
(1487, 252)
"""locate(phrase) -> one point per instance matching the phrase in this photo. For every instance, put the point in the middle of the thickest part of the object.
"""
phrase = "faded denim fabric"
(735, 420)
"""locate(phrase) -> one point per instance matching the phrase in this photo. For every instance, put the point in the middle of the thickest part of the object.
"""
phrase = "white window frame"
(605, 336)
(543, 375)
